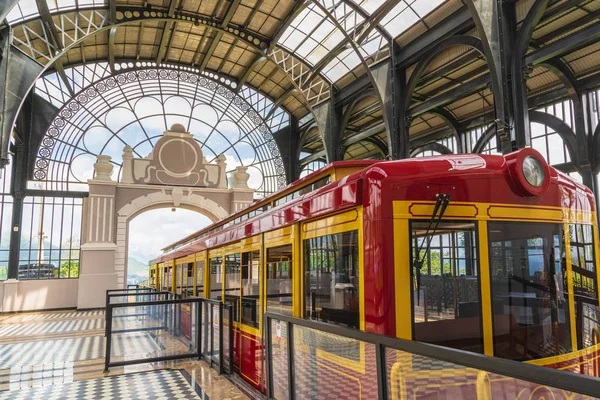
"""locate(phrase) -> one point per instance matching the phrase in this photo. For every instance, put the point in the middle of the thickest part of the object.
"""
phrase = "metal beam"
(229, 51)
(219, 35)
(566, 45)
(294, 12)
(5, 7)
(456, 23)
(280, 101)
(111, 48)
(166, 34)
(463, 90)
(259, 59)
(48, 24)
(113, 11)
(60, 70)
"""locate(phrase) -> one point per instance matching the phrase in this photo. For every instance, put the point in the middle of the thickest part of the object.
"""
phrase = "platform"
(61, 355)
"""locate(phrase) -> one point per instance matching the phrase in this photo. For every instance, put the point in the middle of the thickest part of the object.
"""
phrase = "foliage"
(69, 269)
(3, 273)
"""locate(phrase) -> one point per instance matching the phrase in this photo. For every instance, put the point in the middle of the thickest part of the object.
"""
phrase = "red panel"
(251, 359)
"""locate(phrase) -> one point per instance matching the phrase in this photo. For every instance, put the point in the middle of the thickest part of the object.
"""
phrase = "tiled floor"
(61, 355)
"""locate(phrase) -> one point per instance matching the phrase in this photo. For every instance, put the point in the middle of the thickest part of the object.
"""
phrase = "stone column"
(98, 251)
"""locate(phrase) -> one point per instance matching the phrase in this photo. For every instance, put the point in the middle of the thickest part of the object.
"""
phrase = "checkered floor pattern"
(163, 384)
(63, 350)
(52, 327)
(52, 315)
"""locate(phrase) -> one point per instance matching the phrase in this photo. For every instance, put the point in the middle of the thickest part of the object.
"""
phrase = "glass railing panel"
(332, 366)
(411, 376)
(149, 331)
(279, 353)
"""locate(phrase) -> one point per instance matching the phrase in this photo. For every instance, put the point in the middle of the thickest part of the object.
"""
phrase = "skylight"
(27, 9)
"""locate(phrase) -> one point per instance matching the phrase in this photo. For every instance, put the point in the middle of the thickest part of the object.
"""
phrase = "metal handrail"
(581, 384)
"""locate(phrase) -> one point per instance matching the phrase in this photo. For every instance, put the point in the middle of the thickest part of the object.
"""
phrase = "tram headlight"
(528, 171)
(533, 170)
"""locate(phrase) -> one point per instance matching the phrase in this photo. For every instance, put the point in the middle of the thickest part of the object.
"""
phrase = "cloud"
(156, 229)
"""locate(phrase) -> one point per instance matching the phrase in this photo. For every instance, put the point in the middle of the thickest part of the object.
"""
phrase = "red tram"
(491, 254)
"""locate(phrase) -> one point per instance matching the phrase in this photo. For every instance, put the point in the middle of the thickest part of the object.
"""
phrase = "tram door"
(250, 316)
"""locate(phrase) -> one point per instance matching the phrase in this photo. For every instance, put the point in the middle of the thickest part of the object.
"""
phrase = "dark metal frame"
(176, 299)
(575, 383)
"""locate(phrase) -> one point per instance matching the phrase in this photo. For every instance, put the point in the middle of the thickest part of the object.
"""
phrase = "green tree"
(3, 273)
(69, 269)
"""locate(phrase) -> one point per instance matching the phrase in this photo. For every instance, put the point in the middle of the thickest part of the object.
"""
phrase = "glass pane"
(200, 278)
(446, 306)
(328, 366)
(251, 288)
(178, 275)
(529, 299)
(232, 283)
(410, 376)
(279, 353)
(331, 279)
(279, 279)
(216, 278)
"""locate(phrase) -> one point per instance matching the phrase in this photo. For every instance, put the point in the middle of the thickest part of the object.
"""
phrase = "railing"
(144, 326)
(317, 360)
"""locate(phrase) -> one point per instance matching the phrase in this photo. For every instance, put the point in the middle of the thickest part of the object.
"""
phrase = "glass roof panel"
(23, 10)
(27, 9)
(371, 5)
(407, 13)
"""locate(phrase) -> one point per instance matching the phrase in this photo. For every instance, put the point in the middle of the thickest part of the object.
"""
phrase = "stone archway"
(175, 174)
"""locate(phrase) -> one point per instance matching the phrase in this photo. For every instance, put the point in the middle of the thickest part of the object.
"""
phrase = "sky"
(155, 229)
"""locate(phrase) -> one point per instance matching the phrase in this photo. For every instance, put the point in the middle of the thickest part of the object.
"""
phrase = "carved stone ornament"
(103, 168)
(240, 178)
(176, 159)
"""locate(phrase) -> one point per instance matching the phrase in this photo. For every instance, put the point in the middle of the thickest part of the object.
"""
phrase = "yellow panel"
(279, 236)
(212, 253)
(548, 214)
(251, 243)
(231, 248)
(343, 222)
(597, 256)
(485, 284)
(402, 279)
(424, 210)
(201, 255)
(361, 271)
(297, 274)
(570, 288)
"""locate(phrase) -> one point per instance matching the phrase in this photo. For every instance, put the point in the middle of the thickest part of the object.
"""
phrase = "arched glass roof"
(134, 108)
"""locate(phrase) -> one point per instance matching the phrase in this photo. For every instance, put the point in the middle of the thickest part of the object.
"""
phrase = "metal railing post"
(269, 357)
(221, 338)
(290, 349)
(109, 312)
(198, 328)
(381, 371)
(211, 328)
(231, 363)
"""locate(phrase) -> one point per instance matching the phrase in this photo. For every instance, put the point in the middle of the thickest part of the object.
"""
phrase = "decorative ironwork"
(135, 107)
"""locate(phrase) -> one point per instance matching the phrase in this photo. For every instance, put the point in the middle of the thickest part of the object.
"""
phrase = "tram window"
(446, 306)
(167, 279)
(232, 283)
(585, 285)
(216, 278)
(250, 288)
(331, 279)
(187, 280)
(200, 278)
(178, 273)
(529, 299)
(279, 279)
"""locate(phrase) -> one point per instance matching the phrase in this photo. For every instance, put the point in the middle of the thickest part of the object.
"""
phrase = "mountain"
(137, 271)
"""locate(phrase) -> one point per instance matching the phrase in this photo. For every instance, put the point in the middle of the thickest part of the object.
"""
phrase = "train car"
(490, 254)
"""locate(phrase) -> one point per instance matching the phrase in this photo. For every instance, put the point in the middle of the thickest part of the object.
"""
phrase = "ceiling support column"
(391, 83)
(289, 142)
(18, 73)
(328, 118)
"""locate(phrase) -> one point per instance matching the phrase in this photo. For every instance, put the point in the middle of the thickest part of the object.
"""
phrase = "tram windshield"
(446, 306)
(529, 290)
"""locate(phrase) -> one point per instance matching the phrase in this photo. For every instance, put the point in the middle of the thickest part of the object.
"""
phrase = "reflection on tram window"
(178, 273)
(529, 299)
(446, 306)
(279, 279)
(331, 279)
(250, 288)
(232, 283)
(200, 278)
(585, 285)
(187, 280)
(216, 278)
(167, 279)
